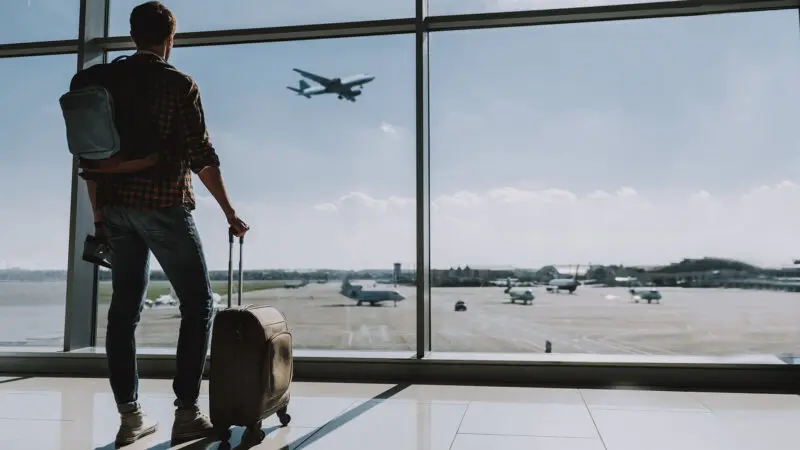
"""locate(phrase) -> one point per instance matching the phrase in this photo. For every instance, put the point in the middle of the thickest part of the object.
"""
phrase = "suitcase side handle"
(230, 268)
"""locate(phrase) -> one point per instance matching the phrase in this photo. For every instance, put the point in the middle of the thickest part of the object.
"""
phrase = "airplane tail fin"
(304, 85)
(298, 91)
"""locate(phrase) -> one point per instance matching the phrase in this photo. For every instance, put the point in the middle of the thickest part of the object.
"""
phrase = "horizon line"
(476, 267)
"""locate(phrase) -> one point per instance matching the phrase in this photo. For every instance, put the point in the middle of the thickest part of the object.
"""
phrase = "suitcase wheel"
(284, 417)
(253, 435)
(223, 434)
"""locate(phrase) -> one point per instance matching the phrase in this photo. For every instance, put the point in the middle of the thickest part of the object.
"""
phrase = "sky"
(631, 142)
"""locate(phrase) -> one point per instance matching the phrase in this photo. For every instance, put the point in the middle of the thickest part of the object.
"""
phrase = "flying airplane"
(648, 295)
(343, 88)
(566, 284)
(373, 297)
(525, 296)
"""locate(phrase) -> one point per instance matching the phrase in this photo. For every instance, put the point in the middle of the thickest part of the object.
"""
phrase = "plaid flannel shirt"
(180, 119)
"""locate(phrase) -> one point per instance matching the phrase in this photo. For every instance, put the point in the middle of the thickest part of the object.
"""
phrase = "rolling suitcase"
(251, 364)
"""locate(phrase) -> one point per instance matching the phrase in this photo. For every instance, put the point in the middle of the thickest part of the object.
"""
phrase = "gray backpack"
(90, 119)
(108, 116)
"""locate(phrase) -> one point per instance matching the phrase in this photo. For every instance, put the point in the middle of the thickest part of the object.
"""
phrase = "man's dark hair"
(151, 24)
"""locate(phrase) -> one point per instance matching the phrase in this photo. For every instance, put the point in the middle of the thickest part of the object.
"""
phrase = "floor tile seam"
(694, 396)
(31, 419)
(660, 410)
(400, 401)
(578, 404)
(458, 428)
(594, 422)
(648, 408)
(547, 436)
(38, 392)
(720, 412)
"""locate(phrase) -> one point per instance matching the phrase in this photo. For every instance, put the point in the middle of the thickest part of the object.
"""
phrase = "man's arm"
(203, 159)
(200, 152)
(91, 187)
(211, 177)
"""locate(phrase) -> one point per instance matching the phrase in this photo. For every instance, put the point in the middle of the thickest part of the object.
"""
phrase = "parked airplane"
(566, 284)
(525, 296)
(343, 88)
(171, 299)
(649, 295)
(373, 297)
(295, 284)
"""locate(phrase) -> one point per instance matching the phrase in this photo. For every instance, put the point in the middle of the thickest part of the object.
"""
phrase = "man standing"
(150, 210)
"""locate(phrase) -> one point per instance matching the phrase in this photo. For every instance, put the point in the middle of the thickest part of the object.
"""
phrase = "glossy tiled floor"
(70, 414)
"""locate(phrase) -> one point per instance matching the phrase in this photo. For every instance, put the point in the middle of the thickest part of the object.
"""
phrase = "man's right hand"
(99, 229)
(237, 225)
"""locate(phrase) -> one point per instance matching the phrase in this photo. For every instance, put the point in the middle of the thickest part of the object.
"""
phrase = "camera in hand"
(97, 251)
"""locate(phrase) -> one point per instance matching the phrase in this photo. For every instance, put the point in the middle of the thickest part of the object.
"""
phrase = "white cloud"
(515, 226)
(388, 128)
(503, 225)
(521, 227)
(327, 207)
(355, 202)
(460, 198)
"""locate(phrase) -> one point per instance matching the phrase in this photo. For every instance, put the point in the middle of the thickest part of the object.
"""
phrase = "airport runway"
(593, 320)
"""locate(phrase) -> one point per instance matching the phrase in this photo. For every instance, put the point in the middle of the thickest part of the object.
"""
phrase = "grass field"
(159, 288)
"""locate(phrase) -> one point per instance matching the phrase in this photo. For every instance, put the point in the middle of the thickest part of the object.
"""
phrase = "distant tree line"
(277, 275)
(457, 277)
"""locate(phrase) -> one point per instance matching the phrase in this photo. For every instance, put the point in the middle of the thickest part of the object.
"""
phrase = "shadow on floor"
(340, 420)
(11, 380)
(299, 443)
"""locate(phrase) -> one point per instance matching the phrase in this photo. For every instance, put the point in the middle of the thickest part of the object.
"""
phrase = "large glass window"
(632, 183)
(33, 20)
(206, 15)
(35, 182)
(326, 184)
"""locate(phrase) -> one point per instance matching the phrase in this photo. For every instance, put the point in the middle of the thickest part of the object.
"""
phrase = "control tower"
(396, 272)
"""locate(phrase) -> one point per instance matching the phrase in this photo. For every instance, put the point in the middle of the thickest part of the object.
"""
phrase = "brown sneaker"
(134, 425)
(191, 424)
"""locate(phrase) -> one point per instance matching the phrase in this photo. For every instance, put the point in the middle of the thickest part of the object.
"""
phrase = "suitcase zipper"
(238, 364)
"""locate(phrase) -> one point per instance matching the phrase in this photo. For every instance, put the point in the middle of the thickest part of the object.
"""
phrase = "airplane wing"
(316, 78)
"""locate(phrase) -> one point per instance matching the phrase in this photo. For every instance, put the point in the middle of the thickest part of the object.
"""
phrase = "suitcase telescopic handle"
(230, 268)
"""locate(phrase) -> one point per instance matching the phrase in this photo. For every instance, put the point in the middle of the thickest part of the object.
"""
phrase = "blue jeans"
(171, 235)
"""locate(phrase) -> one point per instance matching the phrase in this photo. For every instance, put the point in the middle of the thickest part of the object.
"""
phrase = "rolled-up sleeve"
(200, 152)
